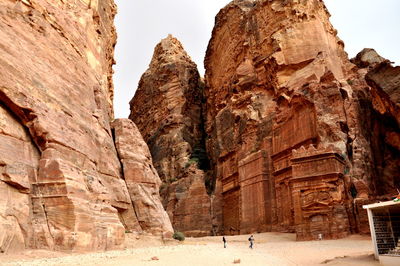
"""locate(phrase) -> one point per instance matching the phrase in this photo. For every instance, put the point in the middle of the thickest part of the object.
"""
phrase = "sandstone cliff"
(381, 119)
(60, 176)
(141, 178)
(290, 144)
(167, 108)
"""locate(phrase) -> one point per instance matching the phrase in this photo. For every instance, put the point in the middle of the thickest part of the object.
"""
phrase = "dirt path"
(270, 249)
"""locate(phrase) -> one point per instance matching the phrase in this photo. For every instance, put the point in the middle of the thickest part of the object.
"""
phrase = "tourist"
(224, 240)
(251, 240)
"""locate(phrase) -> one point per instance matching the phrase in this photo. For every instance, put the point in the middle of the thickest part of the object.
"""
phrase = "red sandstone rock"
(19, 159)
(384, 80)
(279, 91)
(381, 121)
(141, 178)
(56, 79)
(188, 203)
(278, 79)
(318, 193)
(60, 175)
(368, 58)
(167, 110)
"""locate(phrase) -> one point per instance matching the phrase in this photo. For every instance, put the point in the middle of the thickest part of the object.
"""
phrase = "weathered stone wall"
(58, 161)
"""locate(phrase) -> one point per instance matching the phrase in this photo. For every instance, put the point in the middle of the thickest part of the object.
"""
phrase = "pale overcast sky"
(141, 24)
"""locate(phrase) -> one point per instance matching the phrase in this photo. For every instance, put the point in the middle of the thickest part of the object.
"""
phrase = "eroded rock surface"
(280, 90)
(141, 178)
(19, 162)
(60, 175)
(167, 108)
(381, 120)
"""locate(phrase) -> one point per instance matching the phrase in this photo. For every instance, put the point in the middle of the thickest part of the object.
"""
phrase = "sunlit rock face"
(60, 176)
(167, 108)
(287, 132)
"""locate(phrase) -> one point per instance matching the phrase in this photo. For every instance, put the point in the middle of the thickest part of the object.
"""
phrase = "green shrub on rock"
(179, 236)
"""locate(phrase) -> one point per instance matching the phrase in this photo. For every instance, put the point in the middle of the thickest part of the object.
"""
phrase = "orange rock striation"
(61, 179)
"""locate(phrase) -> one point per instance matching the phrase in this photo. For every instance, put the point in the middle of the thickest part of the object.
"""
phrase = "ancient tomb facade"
(278, 80)
(292, 184)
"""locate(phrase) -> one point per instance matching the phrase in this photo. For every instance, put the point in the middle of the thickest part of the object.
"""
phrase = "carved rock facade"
(279, 91)
(60, 177)
(167, 108)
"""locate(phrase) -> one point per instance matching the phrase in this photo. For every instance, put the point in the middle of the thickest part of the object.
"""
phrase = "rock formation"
(60, 176)
(289, 140)
(299, 137)
(381, 118)
(167, 108)
(286, 134)
(141, 178)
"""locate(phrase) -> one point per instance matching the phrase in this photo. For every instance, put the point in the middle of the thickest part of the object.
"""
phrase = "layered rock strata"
(60, 174)
(277, 81)
(167, 108)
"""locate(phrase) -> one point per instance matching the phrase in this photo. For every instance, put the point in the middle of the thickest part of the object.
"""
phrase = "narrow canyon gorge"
(284, 133)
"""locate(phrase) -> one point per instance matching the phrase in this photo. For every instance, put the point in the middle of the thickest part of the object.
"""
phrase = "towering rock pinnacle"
(167, 108)
(285, 123)
(60, 176)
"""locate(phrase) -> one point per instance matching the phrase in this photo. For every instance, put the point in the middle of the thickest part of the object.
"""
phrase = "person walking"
(224, 240)
(251, 240)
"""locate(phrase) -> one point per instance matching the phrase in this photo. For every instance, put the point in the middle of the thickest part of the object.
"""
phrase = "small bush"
(179, 236)
(163, 186)
(350, 82)
(172, 180)
(192, 161)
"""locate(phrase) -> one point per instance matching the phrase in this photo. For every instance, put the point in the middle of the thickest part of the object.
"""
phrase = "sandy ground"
(270, 249)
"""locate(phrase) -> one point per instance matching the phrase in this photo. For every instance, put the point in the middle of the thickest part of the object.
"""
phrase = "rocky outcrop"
(381, 119)
(167, 108)
(19, 162)
(280, 90)
(381, 74)
(60, 175)
(141, 178)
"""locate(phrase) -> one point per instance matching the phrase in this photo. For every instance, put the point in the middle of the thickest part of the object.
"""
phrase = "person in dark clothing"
(251, 240)
(224, 240)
